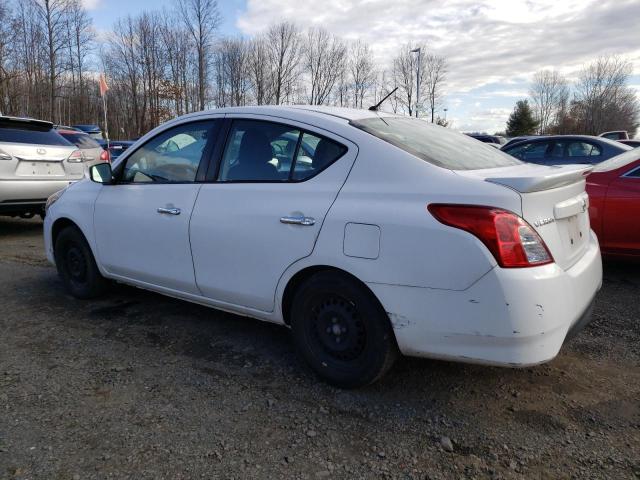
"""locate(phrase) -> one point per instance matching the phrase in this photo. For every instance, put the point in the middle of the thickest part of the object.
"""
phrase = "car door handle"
(306, 221)
(169, 211)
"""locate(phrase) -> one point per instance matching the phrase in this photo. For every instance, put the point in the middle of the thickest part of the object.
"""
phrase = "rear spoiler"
(9, 122)
(551, 178)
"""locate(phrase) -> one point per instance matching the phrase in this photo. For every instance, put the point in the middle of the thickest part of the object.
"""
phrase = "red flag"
(103, 85)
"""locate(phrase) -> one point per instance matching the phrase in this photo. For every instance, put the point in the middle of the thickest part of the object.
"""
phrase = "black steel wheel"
(76, 265)
(341, 330)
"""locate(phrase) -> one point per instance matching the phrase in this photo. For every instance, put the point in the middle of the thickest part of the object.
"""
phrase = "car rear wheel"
(341, 330)
(76, 265)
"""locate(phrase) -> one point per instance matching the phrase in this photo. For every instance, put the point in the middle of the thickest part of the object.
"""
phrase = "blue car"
(93, 131)
(565, 149)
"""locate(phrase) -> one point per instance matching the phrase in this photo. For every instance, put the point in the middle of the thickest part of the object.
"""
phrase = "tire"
(342, 331)
(76, 265)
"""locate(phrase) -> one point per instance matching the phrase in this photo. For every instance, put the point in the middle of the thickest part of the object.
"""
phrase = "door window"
(171, 157)
(583, 149)
(261, 151)
(530, 151)
(314, 155)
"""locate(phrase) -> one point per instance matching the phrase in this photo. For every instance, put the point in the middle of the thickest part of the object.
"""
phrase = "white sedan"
(368, 234)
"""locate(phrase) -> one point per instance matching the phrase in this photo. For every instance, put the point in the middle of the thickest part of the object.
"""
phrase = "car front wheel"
(342, 331)
(76, 265)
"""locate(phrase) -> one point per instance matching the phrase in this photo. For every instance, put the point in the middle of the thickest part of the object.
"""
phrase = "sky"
(493, 47)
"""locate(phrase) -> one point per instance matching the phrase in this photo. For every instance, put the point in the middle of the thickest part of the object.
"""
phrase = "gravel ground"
(139, 386)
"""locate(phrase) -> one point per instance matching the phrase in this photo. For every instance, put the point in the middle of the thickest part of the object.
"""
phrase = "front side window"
(170, 157)
(259, 151)
(583, 149)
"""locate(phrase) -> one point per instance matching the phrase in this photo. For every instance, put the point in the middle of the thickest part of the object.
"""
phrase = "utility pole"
(419, 52)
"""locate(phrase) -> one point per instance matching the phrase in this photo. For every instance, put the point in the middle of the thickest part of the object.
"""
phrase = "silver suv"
(35, 162)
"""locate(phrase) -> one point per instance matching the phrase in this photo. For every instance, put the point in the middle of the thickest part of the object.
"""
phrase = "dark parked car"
(117, 147)
(631, 143)
(518, 139)
(565, 149)
(93, 131)
(483, 137)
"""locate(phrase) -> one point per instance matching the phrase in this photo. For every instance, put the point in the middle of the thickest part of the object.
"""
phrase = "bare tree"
(232, 84)
(548, 93)
(202, 19)
(258, 70)
(405, 69)
(284, 51)
(52, 15)
(362, 70)
(324, 62)
(603, 101)
(80, 41)
(434, 68)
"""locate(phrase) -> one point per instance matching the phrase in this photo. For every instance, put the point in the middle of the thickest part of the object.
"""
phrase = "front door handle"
(169, 211)
(306, 221)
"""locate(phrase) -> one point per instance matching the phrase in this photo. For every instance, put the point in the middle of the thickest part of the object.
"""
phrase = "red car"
(614, 204)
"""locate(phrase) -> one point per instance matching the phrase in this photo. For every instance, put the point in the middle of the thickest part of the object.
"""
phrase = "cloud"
(91, 4)
(493, 47)
(485, 41)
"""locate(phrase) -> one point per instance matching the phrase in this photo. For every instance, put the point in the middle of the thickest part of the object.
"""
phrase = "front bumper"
(509, 317)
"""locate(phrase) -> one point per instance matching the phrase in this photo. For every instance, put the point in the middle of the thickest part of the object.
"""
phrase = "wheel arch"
(60, 224)
(300, 276)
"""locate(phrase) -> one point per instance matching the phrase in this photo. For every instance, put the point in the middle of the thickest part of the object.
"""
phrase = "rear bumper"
(27, 196)
(510, 317)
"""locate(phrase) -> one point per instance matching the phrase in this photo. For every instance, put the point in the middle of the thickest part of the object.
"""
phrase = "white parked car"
(367, 233)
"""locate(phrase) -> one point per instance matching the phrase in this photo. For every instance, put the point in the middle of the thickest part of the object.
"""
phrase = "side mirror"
(101, 173)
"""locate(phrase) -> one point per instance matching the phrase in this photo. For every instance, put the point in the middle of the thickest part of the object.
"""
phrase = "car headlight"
(53, 199)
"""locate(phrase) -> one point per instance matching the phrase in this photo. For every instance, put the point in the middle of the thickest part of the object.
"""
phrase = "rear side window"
(315, 154)
(81, 140)
(437, 145)
(583, 149)
(14, 132)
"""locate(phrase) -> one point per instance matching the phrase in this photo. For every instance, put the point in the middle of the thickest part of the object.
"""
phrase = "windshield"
(618, 161)
(434, 144)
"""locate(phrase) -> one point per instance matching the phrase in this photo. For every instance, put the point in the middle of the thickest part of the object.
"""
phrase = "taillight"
(511, 240)
(76, 157)
(104, 156)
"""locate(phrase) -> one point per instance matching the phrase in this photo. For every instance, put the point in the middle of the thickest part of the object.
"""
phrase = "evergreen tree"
(521, 121)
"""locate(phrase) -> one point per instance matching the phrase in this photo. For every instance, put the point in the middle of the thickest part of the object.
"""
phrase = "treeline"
(599, 100)
(164, 63)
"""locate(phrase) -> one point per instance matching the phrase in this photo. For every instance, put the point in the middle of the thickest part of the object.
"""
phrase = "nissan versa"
(368, 234)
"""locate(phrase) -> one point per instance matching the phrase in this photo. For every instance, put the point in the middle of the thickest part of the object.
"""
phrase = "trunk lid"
(554, 202)
(38, 162)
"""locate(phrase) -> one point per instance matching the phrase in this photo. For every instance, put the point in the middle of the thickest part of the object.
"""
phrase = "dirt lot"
(137, 386)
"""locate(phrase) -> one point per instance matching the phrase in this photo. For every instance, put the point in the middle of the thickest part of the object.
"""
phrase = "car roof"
(338, 114)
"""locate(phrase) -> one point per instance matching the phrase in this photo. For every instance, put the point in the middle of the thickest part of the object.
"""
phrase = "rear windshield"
(618, 161)
(437, 145)
(80, 140)
(14, 132)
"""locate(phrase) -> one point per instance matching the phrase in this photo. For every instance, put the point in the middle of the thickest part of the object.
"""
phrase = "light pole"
(418, 51)
(445, 114)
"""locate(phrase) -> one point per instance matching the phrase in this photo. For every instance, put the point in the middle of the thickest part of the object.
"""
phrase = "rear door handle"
(306, 221)
(169, 211)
